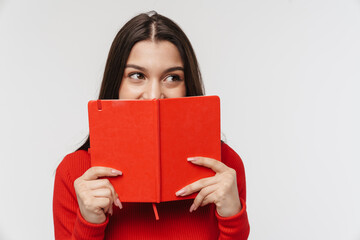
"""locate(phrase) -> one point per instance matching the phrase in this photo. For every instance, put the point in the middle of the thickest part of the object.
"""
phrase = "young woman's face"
(153, 70)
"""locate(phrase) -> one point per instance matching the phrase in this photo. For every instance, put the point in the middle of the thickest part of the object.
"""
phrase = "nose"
(153, 90)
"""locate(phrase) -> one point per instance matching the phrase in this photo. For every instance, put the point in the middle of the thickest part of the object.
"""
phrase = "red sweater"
(136, 220)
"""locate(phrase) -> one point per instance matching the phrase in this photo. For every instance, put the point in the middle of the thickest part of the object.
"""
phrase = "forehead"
(150, 53)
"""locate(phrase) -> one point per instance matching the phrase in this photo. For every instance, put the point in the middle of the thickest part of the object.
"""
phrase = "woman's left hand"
(220, 189)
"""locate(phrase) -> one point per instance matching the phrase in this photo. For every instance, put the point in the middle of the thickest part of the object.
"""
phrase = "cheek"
(183, 91)
(179, 91)
(129, 91)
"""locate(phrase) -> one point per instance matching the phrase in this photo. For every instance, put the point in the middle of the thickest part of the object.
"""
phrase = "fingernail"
(116, 172)
(192, 208)
(118, 203)
(111, 211)
(180, 192)
(192, 159)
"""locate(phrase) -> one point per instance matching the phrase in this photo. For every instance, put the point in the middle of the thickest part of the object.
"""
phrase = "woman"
(150, 58)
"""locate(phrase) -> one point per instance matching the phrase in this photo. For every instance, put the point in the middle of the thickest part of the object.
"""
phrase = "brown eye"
(173, 78)
(137, 76)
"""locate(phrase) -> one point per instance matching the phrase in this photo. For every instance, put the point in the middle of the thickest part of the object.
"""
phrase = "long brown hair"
(147, 26)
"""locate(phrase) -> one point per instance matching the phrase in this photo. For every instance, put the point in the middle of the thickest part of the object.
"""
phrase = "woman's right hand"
(96, 196)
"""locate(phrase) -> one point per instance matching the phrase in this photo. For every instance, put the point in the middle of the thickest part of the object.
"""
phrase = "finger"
(102, 192)
(106, 192)
(96, 172)
(111, 210)
(196, 186)
(211, 198)
(211, 163)
(103, 183)
(202, 195)
(99, 183)
(118, 203)
(101, 203)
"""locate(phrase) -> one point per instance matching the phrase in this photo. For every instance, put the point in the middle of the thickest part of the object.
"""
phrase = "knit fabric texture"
(136, 220)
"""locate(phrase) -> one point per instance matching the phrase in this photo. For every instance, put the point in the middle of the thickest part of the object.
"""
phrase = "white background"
(288, 74)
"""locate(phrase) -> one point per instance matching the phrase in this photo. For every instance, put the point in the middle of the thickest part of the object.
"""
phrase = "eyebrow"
(144, 69)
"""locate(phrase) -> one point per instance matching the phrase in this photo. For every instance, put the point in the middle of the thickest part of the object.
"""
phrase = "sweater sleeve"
(237, 226)
(68, 222)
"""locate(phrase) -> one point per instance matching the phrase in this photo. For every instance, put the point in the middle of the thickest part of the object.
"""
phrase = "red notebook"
(150, 141)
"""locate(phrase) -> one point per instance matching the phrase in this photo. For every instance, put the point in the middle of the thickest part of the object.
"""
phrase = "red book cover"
(150, 141)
